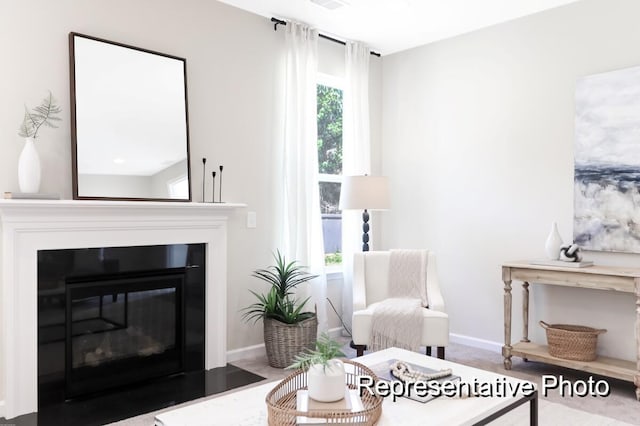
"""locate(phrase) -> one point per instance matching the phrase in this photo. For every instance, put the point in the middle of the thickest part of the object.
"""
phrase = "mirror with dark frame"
(129, 122)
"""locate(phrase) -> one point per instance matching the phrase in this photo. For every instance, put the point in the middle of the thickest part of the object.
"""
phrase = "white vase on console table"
(553, 243)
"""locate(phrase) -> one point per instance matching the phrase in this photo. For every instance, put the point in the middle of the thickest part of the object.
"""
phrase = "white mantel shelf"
(76, 205)
(27, 226)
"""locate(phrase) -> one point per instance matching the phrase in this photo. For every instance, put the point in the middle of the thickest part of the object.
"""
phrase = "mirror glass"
(129, 119)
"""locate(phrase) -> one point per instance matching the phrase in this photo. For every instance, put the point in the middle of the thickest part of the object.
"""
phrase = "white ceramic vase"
(326, 383)
(553, 243)
(29, 168)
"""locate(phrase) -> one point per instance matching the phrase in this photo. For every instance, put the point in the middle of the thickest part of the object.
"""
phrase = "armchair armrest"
(436, 301)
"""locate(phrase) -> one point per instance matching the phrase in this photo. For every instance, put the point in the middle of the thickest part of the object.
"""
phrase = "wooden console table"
(626, 280)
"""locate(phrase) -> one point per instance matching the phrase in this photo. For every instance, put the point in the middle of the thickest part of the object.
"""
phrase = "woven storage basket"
(574, 342)
(282, 407)
(285, 341)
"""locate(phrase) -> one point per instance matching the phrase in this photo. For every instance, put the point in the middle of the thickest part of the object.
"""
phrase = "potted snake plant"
(288, 328)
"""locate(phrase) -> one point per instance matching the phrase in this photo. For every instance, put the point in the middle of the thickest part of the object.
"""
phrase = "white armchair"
(370, 286)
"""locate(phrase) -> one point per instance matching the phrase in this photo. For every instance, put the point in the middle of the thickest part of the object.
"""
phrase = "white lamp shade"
(364, 192)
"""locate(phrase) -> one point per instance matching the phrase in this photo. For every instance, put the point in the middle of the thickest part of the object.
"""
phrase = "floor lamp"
(364, 193)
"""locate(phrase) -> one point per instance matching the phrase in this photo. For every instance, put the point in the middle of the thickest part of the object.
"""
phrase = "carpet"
(552, 414)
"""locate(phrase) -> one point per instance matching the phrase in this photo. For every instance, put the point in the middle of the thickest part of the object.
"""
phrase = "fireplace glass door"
(123, 329)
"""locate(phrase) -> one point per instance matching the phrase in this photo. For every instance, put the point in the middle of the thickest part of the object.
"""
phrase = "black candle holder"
(213, 187)
(220, 191)
(204, 169)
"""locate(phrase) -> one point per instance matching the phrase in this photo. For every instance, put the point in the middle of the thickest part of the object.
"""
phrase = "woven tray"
(281, 400)
(575, 342)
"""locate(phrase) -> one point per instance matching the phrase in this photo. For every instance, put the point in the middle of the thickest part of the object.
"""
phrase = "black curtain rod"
(277, 22)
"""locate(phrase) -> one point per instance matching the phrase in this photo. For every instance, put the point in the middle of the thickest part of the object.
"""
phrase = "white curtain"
(356, 157)
(301, 219)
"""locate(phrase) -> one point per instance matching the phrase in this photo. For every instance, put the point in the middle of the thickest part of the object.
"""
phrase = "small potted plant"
(288, 330)
(325, 373)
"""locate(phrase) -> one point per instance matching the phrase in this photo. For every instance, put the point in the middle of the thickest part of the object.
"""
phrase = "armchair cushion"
(435, 327)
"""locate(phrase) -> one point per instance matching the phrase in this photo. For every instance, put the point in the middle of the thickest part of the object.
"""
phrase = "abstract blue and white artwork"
(607, 162)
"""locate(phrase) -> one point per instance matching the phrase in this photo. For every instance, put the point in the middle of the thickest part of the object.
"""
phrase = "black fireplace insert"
(118, 316)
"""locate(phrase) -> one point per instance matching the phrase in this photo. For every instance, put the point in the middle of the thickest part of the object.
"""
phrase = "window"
(330, 165)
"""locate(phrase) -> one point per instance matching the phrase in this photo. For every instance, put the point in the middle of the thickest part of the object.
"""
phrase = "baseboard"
(258, 350)
(474, 342)
(335, 333)
(246, 352)
(1, 408)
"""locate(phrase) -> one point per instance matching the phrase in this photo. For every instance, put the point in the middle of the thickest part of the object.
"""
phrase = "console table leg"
(525, 312)
(506, 349)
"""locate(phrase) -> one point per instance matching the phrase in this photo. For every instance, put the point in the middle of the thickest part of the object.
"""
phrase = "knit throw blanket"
(397, 321)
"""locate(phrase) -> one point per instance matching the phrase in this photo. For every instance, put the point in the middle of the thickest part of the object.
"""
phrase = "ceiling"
(389, 26)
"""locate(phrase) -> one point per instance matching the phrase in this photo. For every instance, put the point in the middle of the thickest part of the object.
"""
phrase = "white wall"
(478, 142)
(234, 66)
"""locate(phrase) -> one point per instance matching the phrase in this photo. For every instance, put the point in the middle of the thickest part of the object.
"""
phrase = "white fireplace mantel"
(31, 225)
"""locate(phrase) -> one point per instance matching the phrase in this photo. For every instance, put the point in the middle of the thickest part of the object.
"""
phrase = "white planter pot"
(326, 383)
(29, 168)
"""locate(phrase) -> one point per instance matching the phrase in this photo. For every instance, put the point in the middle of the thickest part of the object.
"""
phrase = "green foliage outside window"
(330, 130)
(329, 110)
(333, 258)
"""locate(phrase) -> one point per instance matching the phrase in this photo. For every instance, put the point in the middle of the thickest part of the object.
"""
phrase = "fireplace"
(117, 316)
(31, 227)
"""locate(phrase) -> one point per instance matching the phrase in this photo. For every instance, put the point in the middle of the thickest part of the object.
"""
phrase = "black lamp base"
(365, 230)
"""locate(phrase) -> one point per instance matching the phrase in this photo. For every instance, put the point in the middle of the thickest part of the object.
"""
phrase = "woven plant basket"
(282, 406)
(284, 341)
(575, 342)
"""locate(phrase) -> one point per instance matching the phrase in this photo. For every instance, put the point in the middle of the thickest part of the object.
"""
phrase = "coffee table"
(247, 407)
